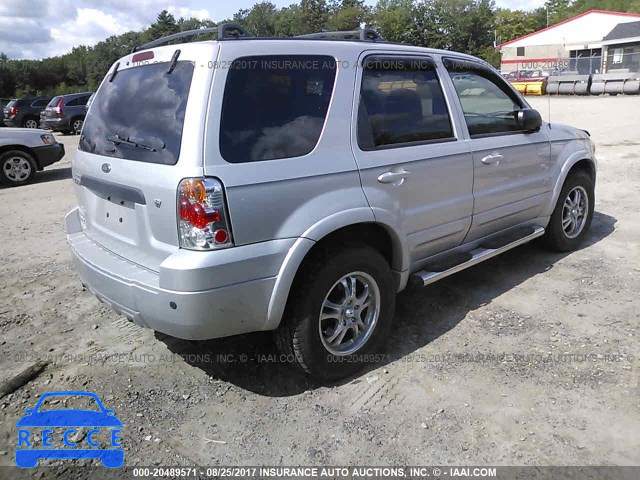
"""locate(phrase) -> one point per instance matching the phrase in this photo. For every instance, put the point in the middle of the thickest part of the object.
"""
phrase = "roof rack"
(224, 31)
(363, 33)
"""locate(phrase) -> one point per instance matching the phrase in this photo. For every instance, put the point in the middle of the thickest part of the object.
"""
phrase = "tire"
(17, 168)
(304, 339)
(30, 123)
(76, 125)
(566, 238)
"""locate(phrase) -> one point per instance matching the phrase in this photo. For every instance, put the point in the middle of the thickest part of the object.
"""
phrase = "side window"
(39, 103)
(275, 106)
(489, 106)
(72, 103)
(83, 100)
(401, 102)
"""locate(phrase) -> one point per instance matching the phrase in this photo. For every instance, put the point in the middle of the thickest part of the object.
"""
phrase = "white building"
(574, 44)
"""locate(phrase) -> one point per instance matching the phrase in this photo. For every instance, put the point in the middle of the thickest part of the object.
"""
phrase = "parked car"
(24, 112)
(24, 151)
(65, 113)
(284, 193)
(3, 103)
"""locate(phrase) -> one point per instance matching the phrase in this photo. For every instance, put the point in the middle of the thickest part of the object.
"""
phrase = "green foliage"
(469, 26)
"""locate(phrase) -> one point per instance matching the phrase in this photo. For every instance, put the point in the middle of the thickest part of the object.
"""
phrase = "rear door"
(142, 136)
(511, 168)
(416, 172)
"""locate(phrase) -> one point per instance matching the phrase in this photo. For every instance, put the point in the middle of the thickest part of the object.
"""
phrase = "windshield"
(141, 106)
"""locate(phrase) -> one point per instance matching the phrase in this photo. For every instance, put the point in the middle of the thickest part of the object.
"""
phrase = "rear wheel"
(572, 216)
(76, 126)
(16, 168)
(339, 313)
(30, 123)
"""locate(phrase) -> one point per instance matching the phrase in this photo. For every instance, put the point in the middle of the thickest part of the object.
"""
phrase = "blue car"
(26, 453)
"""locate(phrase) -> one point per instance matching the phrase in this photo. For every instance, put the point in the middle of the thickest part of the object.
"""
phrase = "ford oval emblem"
(106, 168)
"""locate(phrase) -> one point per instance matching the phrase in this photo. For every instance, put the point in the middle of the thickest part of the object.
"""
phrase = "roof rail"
(224, 31)
(363, 33)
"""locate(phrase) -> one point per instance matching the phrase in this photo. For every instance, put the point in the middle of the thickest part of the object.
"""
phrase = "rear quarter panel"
(306, 196)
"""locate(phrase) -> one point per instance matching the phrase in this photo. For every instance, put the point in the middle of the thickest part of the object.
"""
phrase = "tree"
(313, 15)
(261, 19)
(165, 25)
(392, 19)
(348, 15)
(510, 24)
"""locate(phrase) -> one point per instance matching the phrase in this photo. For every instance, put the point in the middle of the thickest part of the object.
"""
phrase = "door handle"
(397, 178)
(492, 158)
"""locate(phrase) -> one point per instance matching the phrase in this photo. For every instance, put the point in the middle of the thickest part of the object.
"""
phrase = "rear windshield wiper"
(117, 139)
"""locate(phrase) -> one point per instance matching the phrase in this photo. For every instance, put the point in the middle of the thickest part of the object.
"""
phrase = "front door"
(511, 168)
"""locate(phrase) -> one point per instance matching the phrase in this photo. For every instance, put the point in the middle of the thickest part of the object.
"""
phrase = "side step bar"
(484, 251)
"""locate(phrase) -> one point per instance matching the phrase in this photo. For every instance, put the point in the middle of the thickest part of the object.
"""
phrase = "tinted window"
(488, 104)
(72, 103)
(399, 106)
(275, 106)
(83, 100)
(54, 101)
(40, 103)
(142, 105)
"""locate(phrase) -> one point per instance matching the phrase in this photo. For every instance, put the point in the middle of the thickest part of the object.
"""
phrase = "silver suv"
(297, 185)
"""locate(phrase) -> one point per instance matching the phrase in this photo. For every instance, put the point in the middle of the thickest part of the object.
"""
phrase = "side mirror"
(529, 119)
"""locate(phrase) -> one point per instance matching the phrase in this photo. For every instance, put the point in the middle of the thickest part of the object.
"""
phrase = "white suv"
(296, 185)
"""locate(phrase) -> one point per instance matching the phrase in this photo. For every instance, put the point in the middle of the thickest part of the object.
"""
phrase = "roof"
(624, 30)
(630, 17)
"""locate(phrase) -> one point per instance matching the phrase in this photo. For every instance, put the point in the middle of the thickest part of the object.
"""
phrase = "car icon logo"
(106, 168)
(37, 426)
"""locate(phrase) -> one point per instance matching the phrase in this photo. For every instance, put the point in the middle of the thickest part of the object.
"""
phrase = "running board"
(486, 250)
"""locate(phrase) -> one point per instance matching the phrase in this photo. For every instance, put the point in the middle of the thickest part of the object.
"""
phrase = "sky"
(36, 29)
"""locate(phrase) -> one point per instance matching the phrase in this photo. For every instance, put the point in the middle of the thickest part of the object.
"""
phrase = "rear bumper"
(48, 154)
(54, 123)
(136, 292)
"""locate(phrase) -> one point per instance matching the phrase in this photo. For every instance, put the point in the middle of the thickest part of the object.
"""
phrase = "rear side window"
(139, 114)
(401, 103)
(39, 103)
(72, 103)
(83, 100)
(275, 106)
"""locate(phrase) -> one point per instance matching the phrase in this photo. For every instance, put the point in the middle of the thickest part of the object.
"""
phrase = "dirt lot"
(527, 359)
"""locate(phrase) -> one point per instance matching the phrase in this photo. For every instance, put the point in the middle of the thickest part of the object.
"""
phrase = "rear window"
(275, 106)
(54, 101)
(139, 115)
(12, 103)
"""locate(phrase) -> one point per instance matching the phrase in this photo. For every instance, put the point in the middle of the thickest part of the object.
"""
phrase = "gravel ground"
(528, 359)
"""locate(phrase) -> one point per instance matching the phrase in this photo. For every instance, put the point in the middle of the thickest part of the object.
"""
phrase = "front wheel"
(339, 312)
(16, 168)
(572, 216)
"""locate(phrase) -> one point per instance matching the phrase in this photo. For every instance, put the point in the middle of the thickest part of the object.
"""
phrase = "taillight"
(58, 108)
(203, 223)
(13, 111)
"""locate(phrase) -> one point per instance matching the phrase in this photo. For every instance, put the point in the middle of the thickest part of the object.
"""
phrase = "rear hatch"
(52, 108)
(8, 107)
(143, 133)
